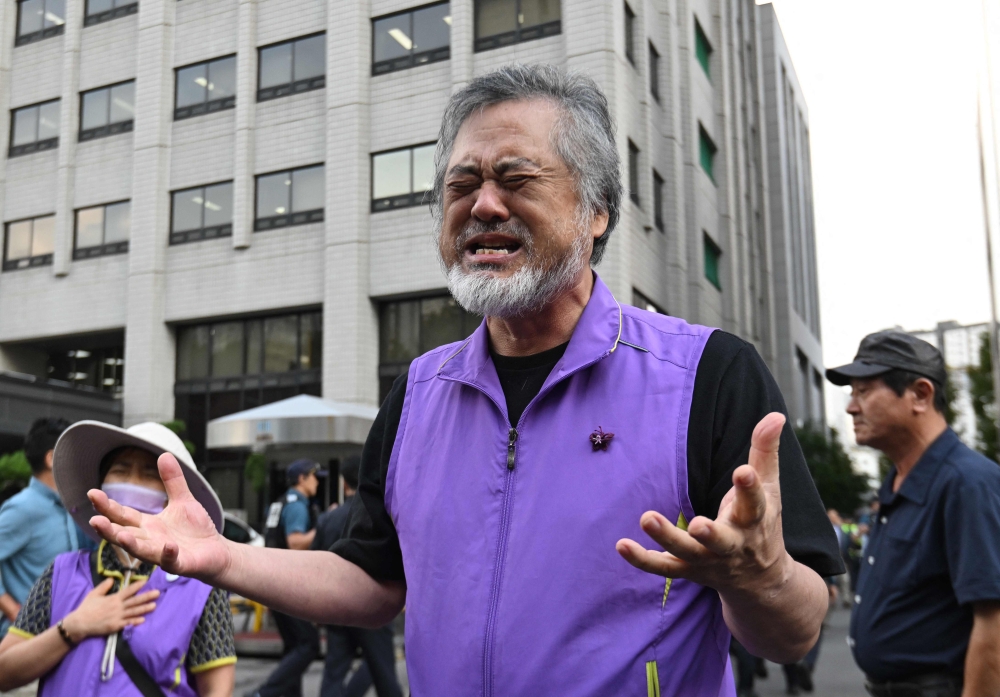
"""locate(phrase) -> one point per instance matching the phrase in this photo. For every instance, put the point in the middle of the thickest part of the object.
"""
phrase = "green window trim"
(702, 49)
(706, 152)
(712, 256)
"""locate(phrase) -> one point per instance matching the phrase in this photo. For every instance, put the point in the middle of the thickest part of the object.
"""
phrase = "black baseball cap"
(302, 467)
(891, 350)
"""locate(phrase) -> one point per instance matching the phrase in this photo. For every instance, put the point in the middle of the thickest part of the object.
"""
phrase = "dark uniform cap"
(302, 467)
(889, 350)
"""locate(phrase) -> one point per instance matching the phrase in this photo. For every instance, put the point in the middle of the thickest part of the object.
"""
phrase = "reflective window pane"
(192, 352)
(222, 78)
(55, 12)
(391, 174)
(310, 57)
(25, 126)
(423, 168)
(43, 236)
(440, 322)
(227, 349)
(32, 16)
(95, 109)
(218, 204)
(122, 102)
(392, 37)
(307, 189)
(191, 85)
(254, 346)
(90, 227)
(495, 17)
(95, 6)
(280, 344)
(19, 240)
(48, 120)
(187, 209)
(311, 341)
(117, 221)
(534, 12)
(399, 333)
(273, 194)
(430, 30)
(275, 65)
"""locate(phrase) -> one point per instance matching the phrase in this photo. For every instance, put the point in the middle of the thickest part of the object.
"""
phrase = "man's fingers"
(173, 478)
(764, 446)
(133, 588)
(717, 537)
(750, 501)
(674, 540)
(103, 587)
(114, 511)
(660, 563)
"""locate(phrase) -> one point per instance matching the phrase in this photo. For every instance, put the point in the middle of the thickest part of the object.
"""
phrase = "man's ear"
(923, 395)
(599, 224)
(48, 459)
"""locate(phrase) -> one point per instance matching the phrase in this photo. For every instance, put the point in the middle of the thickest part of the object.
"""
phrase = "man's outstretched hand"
(740, 551)
(181, 539)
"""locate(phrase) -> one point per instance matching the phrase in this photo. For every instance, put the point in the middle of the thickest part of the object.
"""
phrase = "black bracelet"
(65, 635)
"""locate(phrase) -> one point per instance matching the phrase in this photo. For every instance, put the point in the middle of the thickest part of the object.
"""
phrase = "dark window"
(34, 128)
(107, 111)
(292, 197)
(702, 49)
(409, 328)
(402, 178)
(205, 87)
(642, 302)
(93, 369)
(105, 10)
(201, 213)
(39, 19)
(29, 243)
(658, 200)
(629, 34)
(505, 22)
(654, 72)
(102, 230)
(291, 67)
(411, 38)
(633, 172)
(712, 256)
(706, 152)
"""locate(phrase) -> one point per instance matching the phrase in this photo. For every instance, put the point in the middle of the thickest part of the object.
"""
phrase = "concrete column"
(350, 322)
(246, 121)
(149, 343)
(8, 17)
(463, 32)
(69, 121)
(675, 211)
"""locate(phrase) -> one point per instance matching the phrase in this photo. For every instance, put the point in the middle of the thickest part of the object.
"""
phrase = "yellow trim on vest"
(20, 632)
(114, 574)
(652, 680)
(177, 679)
(619, 337)
(682, 524)
(217, 663)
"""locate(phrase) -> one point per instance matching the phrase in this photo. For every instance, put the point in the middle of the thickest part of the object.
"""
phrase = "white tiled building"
(150, 254)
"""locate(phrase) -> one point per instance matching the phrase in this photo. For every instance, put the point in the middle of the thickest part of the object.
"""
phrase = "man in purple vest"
(507, 475)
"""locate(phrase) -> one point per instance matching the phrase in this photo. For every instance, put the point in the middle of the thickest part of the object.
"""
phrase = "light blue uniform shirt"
(34, 529)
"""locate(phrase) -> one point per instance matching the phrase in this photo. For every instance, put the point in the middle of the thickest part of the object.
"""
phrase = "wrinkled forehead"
(514, 130)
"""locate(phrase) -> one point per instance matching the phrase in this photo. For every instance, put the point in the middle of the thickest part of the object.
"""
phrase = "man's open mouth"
(491, 246)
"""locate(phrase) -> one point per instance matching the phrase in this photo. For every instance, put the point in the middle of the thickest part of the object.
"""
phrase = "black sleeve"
(733, 391)
(371, 541)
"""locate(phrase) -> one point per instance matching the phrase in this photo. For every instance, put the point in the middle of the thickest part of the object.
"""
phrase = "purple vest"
(514, 586)
(160, 643)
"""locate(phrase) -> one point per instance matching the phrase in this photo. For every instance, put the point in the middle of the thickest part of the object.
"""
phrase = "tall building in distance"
(213, 204)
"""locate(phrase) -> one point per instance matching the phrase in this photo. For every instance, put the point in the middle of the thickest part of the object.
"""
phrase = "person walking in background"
(342, 643)
(926, 619)
(291, 524)
(34, 526)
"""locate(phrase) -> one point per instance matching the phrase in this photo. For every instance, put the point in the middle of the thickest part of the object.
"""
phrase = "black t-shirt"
(733, 391)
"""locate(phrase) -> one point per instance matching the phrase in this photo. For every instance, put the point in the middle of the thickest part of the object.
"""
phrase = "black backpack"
(274, 532)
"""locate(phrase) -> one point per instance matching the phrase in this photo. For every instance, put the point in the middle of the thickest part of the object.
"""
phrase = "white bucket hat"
(76, 465)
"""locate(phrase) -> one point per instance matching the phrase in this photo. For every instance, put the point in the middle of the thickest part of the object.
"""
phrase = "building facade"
(213, 204)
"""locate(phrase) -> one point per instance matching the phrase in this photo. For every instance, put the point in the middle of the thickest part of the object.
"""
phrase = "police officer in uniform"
(291, 524)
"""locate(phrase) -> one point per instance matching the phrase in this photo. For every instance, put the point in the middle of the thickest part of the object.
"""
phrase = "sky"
(891, 89)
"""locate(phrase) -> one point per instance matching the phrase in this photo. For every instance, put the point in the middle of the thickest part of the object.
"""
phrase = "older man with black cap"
(926, 618)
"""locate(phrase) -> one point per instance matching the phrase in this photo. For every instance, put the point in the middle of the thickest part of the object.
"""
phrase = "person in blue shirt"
(34, 526)
(291, 524)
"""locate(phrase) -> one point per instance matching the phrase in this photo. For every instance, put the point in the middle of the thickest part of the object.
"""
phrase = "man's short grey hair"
(584, 135)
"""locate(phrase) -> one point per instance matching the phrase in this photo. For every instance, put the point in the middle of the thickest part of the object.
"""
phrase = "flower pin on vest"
(600, 440)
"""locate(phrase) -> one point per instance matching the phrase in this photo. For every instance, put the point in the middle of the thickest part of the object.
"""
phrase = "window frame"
(703, 46)
(37, 145)
(309, 84)
(658, 183)
(712, 268)
(393, 65)
(705, 139)
(654, 72)
(292, 218)
(202, 233)
(209, 105)
(393, 203)
(31, 37)
(108, 129)
(518, 35)
(90, 20)
(633, 172)
(106, 248)
(648, 305)
(630, 34)
(29, 262)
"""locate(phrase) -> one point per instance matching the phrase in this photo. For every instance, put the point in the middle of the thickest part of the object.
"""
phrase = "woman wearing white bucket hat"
(175, 636)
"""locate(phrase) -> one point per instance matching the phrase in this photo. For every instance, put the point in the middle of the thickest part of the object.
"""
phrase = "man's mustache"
(511, 228)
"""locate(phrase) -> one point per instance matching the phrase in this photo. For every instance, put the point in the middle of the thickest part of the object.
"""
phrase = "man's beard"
(527, 290)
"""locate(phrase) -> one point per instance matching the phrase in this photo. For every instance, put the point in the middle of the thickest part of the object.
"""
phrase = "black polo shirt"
(933, 551)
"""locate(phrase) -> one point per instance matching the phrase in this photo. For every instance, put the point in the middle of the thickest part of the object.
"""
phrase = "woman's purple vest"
(160, 643)
(514, 586)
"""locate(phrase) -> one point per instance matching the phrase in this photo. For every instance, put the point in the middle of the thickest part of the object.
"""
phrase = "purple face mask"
(138, 497)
